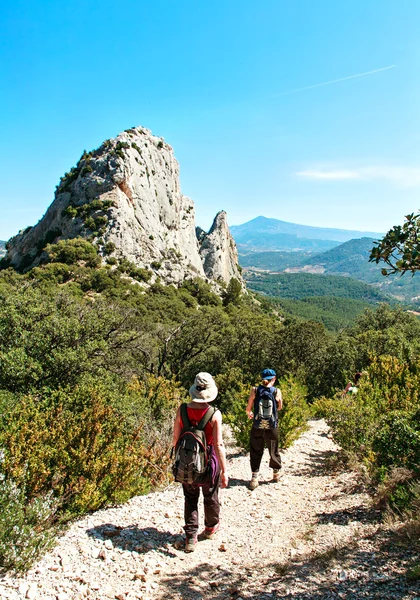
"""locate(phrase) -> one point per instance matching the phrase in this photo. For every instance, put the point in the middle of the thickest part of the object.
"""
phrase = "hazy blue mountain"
(263, 233)
(2, 248)
(282, 242)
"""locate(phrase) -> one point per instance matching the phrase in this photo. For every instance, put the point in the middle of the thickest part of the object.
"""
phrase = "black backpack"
(265, 407)
(191, 464)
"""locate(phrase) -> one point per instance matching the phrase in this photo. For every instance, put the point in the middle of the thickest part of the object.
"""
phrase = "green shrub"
(233, 399)
(90, 223)
(109, 248)
(202, 291)
(70, 211)
(397, 440)
(352, 421)
(138, 273)
(25, 527)
(380, 424)
(293, 419)
(73, 251)
(101, 221)
(77, 446)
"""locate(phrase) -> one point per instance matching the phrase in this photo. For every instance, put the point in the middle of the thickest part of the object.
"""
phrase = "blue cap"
(268, 374)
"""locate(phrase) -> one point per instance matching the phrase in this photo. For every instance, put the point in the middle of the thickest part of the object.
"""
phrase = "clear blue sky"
(216, 80)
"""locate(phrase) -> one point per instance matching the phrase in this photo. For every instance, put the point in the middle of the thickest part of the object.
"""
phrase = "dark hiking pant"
(211, 506)
(259, 439)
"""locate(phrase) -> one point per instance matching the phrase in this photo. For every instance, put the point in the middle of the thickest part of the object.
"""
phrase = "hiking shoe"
(190, 544)
(209, 532)
(253, 483)
(276, 474)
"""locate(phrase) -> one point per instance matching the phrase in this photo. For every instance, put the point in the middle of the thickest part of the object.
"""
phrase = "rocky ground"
(312, 535)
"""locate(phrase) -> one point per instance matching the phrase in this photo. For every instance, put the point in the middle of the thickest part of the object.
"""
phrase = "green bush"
(25, 527)
(109, 248)
(90, 223)
(86, 455)
(353, 422)
(72, 251)
(233, 399)
(202, 291)
(70, 211)
(293, 419)
(380, 426)
(397, 440)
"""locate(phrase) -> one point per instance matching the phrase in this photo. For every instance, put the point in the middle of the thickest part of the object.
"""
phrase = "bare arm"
(250, 406)
(177, 427)
(279, 399)
(346, 389)
(220, 447)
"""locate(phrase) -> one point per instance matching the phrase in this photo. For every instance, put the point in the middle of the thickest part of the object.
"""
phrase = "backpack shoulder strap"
(206, 418)
(184, 416)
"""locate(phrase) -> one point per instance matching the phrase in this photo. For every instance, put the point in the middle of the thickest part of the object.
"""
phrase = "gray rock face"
(218, 251)
(127, 192)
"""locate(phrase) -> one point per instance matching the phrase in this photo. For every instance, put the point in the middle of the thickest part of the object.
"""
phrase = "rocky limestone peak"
(218, 251)
(126, 197)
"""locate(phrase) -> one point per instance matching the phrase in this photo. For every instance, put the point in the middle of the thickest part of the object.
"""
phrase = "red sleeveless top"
(195, 415)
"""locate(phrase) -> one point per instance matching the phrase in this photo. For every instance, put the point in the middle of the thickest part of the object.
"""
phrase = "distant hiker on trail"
(353, 386)
(200, 459)
(263, 405)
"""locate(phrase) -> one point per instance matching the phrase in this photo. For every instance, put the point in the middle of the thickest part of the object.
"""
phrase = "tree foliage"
(399, 249)
(93, 367)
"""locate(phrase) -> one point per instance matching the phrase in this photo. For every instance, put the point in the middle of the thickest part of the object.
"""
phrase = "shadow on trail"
(234, 482)
(361, 514)
(134, 539)
(245, 482)
(318, 463)
(238, 454)
(203, 581)
(371, 567)
(374, 569)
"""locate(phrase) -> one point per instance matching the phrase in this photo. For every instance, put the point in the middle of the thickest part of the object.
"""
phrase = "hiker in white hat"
(198, 434)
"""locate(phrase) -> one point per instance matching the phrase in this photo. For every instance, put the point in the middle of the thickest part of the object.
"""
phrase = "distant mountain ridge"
(2, 248)
(350, 259)
(264, 233)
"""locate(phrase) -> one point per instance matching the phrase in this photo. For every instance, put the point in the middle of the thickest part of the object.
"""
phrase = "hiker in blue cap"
(263, 405)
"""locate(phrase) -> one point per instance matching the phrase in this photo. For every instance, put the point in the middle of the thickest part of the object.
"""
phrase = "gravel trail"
(310, 536)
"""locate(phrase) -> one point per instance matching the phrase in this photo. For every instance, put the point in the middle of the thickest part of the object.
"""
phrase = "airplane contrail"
(310, 87)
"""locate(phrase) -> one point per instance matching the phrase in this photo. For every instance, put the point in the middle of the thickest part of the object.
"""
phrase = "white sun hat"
(204, 388)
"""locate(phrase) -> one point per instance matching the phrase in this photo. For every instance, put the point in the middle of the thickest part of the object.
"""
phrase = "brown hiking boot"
(254, 482)
(190, 544)
(276, 475)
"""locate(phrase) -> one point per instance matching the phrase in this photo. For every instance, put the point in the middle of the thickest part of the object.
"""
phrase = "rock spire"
(126, 197)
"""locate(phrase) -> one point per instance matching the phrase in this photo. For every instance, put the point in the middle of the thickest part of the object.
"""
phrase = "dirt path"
(310, 536)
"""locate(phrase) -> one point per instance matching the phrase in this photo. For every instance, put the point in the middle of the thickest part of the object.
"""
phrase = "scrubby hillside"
(350, 259)
(93, 360)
